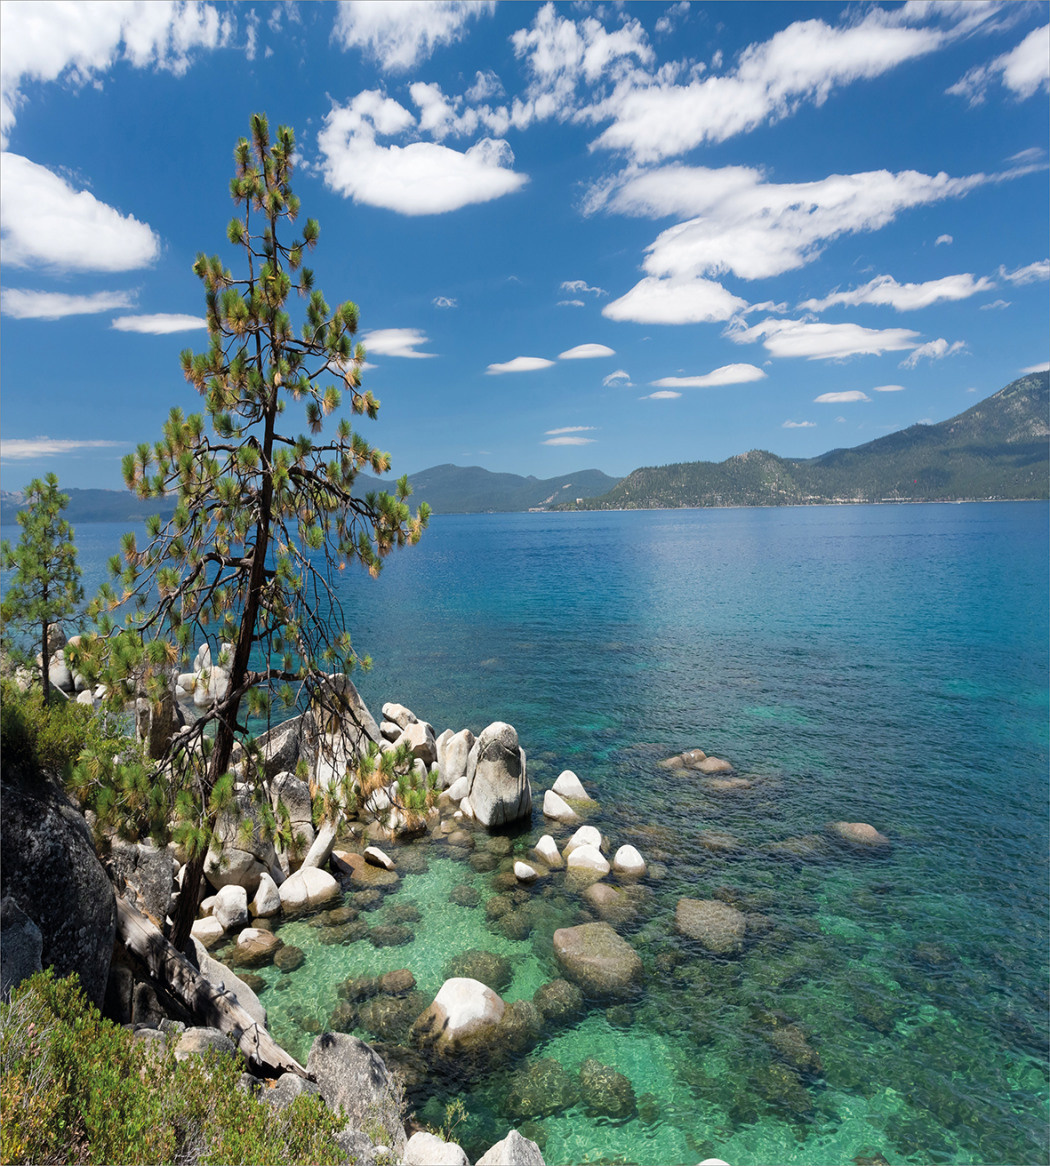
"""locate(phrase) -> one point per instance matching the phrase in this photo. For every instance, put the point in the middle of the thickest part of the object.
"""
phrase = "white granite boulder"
(231, 907)
(308, 887)
(514, 1150)
(499, 786)
(427, 1149)
(558, 809)
(585, 836)
(587, 858)
(464, 1017)
(547, 850)
(569, 785)
(627, 861)
(597, 959)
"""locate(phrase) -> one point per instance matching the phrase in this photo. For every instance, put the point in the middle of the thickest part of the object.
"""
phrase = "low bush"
(76, 1088)
(35, 740)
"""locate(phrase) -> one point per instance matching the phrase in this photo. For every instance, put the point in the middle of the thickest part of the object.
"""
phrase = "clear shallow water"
(878, 664)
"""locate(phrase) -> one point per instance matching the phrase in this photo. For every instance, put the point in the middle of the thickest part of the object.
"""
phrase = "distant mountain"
(448, 489)
(999, 449)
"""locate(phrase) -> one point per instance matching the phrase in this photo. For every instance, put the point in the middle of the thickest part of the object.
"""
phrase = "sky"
(580, 235)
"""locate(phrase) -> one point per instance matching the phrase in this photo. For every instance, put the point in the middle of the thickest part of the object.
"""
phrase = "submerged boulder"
(598, 960)
(859, 835)
(605, 1091)
(464, 1018)
(719, 927)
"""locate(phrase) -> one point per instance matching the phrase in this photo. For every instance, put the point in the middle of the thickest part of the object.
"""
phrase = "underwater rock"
(288, 958)
(404, 913)
(461, 840)
(619, 1016)
(339, 915)
(521, 1026)
(254, 948)
(558, 809)
(497, 906)
(729, 785)
(788, 1041)
(718, 841)
(253, 981)
(499, 845)
(491, 969)
(610, 903)
(558, 1001)
(358, 988)
(599, 961)
(389, 935)
(343, 1018)
(516, 924)
(343, 932)
(717, 926)
(368, 900)
(397, 983)
(463, 1018)
(781, 1085)
(362, 873)
(804, 848)
(389, 1018)
(483, 862)
(859, 835)
(464, 895)
(713, 765)
(541, 1089)
(690, 759)
(603, 1090)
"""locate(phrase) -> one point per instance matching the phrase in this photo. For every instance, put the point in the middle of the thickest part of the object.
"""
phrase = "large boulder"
(605, 1091)
(598, 960)
(338, 730)
(558, 809)
(453, 757)
(419, 737)
(716, 925)
(240, 852)
(569, 785)
(514, 1150)
(228, 982)
(293, 794)
(279, 747)
(464, 1018)
(308, 887)
(499, 787)
(427, 1149)
(859, 835)
(49, 866)
(231, 907)
(20, 946)
(145, 876)
(351, 1074)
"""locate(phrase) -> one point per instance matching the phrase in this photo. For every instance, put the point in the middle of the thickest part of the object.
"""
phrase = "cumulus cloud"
(621, 378)
(38, 305)
(44, 221)
(396, 342)
(884, 290)
(728, 374)
(520, 364)
(20, 449)
(819, 341)
(159, 324)
(841, 398)
(933, 350)
(661, 395)
(444, 302)
(420, 178)
(1031, 273)
(682, 300)
(77, 42)
(888, 389)
(1023, 71)
(568, 441)
(737, 221)
(401, 36)
(586, 352)
(799, 425)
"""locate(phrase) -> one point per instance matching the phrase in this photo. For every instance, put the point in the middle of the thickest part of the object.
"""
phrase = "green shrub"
(77, 1088)
(42, 740)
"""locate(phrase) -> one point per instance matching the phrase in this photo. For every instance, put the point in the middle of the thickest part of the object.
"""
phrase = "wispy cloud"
(799, 425)
(885, 291)
(888, 389)
(995, 306)
(396, 342)
(160, 324)
(22, 449)
(844, 398)
(943, 239)
(570, 429)
(933, 350)
(1031, 273)
(519, 364)
(1044, 367)
(1024, 70)
(580, 287)
(818, 341)
(445, 302)
(728, 374)
(621, 378)
(571, 304)
(39, 305)
(661, 395)
(586, 352)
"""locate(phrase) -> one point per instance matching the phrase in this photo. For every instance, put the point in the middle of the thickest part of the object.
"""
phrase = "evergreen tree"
(265, 517)
(45, 587)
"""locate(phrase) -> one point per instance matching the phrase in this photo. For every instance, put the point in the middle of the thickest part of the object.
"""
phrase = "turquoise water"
(877, 664)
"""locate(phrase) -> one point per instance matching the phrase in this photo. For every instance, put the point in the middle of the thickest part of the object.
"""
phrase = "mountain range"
(998, 449)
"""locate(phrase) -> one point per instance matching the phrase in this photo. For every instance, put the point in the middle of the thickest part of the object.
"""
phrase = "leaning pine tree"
(265, 516)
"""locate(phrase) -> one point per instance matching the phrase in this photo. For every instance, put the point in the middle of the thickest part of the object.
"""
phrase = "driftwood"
(213, 1005)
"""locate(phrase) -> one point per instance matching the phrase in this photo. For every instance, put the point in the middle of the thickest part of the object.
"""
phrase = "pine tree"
(45, 587)
(265, 515)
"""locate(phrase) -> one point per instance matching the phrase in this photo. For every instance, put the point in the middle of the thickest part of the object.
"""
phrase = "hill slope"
(1000, 448)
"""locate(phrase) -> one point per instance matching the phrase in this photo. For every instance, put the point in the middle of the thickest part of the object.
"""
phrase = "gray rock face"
(196, 1042)
(289, 1086)
(454, 756)
(220, 975)
(235, 860)
(156, 724)
(716, 925)
(514, 1150)
(280, 747)
(351, 1074)
(598, 960)
(148, 873)
(499, 786)
(20, 946)
(231, 907)
(48, 864)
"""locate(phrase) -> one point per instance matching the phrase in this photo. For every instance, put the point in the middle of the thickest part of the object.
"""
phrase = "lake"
(879, 664)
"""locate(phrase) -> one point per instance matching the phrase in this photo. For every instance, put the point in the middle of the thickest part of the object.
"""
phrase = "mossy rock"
(619, 1016)
(540, 1090)
(605, 1091)
(337, 916)
(253, 981)
(404, 913)
(411, 860)
(521, 1026)
(498, 906)
(397, 983)
(389, 935)
(344, 933)
(516, 924)
(288, 958)
(483, 861)
(370, 900)
(358, 988)
(465, 895)
(782, 1086)
(343, 1018)
(492, 970)
(558, 1001)
(388, 1018)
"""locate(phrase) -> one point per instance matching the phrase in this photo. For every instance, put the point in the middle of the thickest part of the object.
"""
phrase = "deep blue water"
(885, 664)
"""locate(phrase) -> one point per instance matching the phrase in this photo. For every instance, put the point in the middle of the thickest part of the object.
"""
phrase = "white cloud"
(586, 352)
(1044, 367)
(38, 305)
(675, 301)
(19, 449)
(888, 389)
(580, 287)
(568, 441)
(728, 374)
(804, 62)
(799, 425)
(1031, 273)
(485, 85)
(395, 342)
(77, 42)
(819, 341)
(445, 302)
(841, 398)
(884, 290)
(45, 222)
(520, 364)
(402, 35)
(756, 229)
(943, 239)
(570, 429)
(621, 378)
(995, 305)
(933, 350)
(1024, 70)
(662, 395)
(421, 178)
(571, 304)
(161, 324)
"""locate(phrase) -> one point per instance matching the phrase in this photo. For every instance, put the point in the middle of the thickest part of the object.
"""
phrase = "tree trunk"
(213, 1006)
(45, 667)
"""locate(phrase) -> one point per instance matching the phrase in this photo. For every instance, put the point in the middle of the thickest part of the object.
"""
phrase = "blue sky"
(581, 235)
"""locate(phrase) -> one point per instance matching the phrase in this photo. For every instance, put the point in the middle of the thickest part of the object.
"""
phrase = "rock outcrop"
(499, 790)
